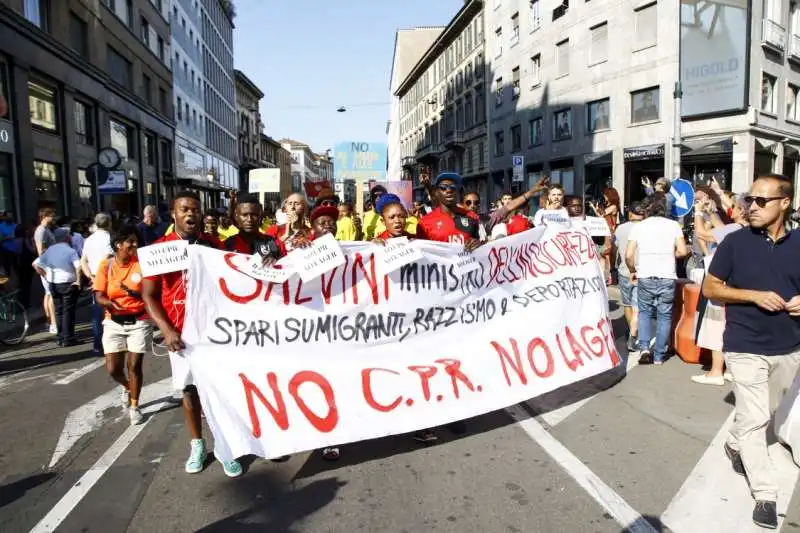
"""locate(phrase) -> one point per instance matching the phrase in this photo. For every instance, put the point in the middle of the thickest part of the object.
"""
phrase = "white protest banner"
(163, 258)
(396, 253)
(322, 256)
(596, 226)
(354, 355)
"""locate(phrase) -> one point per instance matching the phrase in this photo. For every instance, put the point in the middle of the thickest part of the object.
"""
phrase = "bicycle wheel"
(14, 326)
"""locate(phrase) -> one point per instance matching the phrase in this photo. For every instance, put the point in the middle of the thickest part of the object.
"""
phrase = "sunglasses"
(448, 187)
(328, 203)
(761, 201)
(470, 202)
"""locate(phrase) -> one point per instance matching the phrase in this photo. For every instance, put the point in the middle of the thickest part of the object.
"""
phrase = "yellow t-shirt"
(345, 229)
(227, 233)
(266, 225)
(374, 226)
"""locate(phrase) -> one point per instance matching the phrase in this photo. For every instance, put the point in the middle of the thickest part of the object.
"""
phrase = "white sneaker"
(125, 398)
(705, 379)
(53, 329)
(136, 416)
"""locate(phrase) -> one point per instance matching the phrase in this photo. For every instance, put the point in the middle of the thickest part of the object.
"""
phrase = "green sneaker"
(232, 468)
(197, 457)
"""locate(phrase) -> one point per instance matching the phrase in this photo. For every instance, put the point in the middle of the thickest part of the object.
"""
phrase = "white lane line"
(605, 496)
(714, 494)
(81, 488)
(80, 372)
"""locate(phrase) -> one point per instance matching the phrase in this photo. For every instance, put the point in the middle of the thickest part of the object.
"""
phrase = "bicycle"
(13, 319)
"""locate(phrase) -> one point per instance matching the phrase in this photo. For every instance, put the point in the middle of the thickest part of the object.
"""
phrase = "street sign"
(518, 164)
(114, 184)
(683, 193)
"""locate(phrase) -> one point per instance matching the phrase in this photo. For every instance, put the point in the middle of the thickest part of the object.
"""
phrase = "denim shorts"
(628, 291)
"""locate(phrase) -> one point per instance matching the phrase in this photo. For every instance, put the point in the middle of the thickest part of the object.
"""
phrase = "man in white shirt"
(61, 267)
(96, 248)
(653, 246)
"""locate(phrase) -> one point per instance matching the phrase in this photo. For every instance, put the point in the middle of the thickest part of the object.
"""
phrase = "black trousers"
(65, 298)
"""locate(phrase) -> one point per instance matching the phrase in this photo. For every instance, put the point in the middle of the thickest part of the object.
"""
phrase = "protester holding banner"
(127, 333)
(448, 222)
(553, 208)
(165, 299)
(250, 240)
(323, 221)
(372, 224)
(394, 217)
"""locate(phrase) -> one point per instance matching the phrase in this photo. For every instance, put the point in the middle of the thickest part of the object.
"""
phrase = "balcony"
(794, 47)
(408, 162)
(427, 152)
(773, 35)
(475, 131)
(454, 139)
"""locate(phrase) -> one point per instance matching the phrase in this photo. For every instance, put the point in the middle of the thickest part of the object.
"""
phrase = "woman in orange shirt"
(127, 333)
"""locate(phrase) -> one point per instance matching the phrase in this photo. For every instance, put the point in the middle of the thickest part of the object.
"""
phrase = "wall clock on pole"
(109, 158)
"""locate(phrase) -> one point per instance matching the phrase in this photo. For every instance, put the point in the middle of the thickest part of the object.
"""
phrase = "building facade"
(409, 46)
(205, 99)
(276, 156)
(76, 78)
(324, 167)
(443, 104)
(248, 116)
(584, 93)
(303, 163)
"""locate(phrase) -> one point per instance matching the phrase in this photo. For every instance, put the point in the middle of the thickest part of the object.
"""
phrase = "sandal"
(331, 454)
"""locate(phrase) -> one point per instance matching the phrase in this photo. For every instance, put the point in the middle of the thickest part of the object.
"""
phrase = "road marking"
(81, 488)
(90, 416)
(714, 494)
(80, 372)
(624, 514)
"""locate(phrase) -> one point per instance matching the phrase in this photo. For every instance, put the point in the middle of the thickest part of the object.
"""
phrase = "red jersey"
(173, 284)
(237, 243)
(440, 227)
(275, 231)
(385, 236)
(518, 224)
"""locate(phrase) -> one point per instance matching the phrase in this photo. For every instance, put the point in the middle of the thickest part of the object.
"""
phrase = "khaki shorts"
(135, 338)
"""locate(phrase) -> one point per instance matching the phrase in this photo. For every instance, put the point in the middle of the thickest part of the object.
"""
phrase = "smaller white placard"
(551, 217)
(466, 263)
(164, 257)
(597, 226)
(396, 253)
(322, 256)
(264, 180)
(255, 269)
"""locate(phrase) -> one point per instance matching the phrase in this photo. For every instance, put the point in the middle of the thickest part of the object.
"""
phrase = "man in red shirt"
(250, 240)
(165, 298)
(448, 222)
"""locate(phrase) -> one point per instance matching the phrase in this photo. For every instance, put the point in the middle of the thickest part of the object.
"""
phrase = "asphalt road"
(641, 453)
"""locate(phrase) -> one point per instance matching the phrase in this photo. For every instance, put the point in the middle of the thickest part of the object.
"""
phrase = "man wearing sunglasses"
(755, 273)
(448, 222)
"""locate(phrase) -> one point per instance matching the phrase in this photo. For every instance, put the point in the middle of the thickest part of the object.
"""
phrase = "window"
(514, 29)
(645, 105)
(194, 118)
(118, 67)
(84, 194)
(536, 133)
(791, 103)
(186, 109)
(144, 31)
(149, 154)
(516, 138)
(37, 12)
(498, 92)
(772, 10)
(42, 101)
(562, 58)
(499, 143)
(480, 65)
(646, 27)
(84, 127)
(515, 83)
(481, 155)
(534, 15)
(78, 35)
(162, 100)
(147, 89)
(562, 125)
(48, 185)
(536, 70)
(4, 92)
(498, 42)
(560, 10)
(179, 110)
(121, 139)
(480, 106)
(600, 43)
(597, 115)
(768, 82)
(161, 49)
(166, 156)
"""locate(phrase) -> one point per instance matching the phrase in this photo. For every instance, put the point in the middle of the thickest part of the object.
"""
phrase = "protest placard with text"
(163, 258)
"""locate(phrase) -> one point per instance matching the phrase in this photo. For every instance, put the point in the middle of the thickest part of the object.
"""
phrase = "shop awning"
(651, 151)
(598, 158)
(707, 146)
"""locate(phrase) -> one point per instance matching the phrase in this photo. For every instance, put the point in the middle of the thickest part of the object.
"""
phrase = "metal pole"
(677, 140)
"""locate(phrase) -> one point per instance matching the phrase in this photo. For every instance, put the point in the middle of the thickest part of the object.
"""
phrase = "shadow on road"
(10, 367)
(276, 508)
(13, 491)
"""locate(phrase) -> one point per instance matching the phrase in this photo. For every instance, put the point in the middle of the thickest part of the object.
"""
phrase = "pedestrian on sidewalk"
(61, 267)
(96, 248)
(43, 238)
(127, 334)
(755, 273)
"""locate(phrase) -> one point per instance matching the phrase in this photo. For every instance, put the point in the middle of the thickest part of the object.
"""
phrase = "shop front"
(6, 165)
(707, 158)
(641, 162)
(598, 173)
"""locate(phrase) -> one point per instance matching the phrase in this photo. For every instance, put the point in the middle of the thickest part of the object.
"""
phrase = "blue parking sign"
(683, 194)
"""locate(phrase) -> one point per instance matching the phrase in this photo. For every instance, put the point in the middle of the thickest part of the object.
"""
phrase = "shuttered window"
(562, 57)
(646, 32)
(600, 43)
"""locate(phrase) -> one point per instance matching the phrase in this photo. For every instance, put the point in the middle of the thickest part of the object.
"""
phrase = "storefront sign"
(6, 136)
(653, 151)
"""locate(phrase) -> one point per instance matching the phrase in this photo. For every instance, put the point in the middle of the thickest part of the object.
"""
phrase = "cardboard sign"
(164, 257)
(255, 269)
(396, 253)
(596, 226)
(466, 262)
(322, 256)
(550, 217)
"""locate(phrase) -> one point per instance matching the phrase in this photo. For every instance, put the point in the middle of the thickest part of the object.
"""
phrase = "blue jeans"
(98, 314)
(656, 297)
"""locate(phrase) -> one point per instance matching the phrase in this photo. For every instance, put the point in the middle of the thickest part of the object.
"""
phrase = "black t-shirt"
(749, 259)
